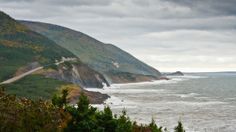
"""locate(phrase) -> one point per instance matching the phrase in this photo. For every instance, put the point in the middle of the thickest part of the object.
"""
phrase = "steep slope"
(38, 87)
(105, 58)
(20, 46)
(22, 49)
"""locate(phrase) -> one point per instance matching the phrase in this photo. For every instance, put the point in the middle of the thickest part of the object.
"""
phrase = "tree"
(60, 101)
(123, 123)
(154, 127)
(105, 120)
(179, 128)
(83, 116)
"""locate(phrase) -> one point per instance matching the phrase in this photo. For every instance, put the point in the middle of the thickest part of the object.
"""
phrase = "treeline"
(24, 115)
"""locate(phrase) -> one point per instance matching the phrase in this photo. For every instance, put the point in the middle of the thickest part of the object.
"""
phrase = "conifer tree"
(179, 128)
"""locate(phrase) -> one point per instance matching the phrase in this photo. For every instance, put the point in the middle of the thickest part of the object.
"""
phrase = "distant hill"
(105, 58)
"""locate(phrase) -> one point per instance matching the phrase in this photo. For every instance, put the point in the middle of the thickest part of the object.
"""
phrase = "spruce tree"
(179, 128)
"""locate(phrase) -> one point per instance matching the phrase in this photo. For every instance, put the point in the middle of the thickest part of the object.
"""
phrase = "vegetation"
(19, 46)
(20, 114)
(34, 87)
(179, 128)
(23, 115)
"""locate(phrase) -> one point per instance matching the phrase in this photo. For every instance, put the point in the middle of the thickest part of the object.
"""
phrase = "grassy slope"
(34, 87)
(20, 46)
(39, 87)
(95, 53)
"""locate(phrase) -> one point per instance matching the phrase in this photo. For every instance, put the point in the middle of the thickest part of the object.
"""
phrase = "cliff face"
(77, 73)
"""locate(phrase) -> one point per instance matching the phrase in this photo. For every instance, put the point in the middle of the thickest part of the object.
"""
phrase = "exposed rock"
(77, 73)
(75, 92)
(164, 78)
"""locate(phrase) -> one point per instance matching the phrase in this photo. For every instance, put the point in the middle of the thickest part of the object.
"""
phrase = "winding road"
(11, 80)
(21, 76)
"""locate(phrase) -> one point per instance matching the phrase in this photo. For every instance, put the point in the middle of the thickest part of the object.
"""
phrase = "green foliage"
(105, 120)
(179, 128)
(83, 116)
(34, 87)
(60, 101)
(123, 123)
(23, 115)
(154, 127)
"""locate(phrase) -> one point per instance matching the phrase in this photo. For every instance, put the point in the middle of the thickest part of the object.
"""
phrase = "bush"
(20, 114)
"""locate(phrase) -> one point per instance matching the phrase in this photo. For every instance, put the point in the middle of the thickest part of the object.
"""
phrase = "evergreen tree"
(83, 116)
(60, 101)
(179, 128)
(123, 123)
(154, 127)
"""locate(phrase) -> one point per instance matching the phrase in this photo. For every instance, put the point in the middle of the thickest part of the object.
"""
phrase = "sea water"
(202, 102)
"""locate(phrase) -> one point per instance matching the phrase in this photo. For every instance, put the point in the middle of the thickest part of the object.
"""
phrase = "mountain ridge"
(103, 57)
(23, 50)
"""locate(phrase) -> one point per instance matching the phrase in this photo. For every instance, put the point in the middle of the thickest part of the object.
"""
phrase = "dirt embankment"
(75, 92)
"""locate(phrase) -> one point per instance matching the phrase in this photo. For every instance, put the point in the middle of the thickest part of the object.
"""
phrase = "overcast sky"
(170, 35)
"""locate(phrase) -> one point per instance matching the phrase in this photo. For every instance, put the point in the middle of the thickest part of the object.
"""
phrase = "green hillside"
(20, 46)
(105, 58)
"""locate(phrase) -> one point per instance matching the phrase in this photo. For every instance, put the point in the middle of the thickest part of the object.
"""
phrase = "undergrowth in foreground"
(25, 115)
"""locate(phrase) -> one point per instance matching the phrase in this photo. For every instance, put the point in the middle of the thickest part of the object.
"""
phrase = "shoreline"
(171, 79)
(105, 96)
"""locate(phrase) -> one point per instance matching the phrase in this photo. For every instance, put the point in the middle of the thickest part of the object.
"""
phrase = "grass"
(34, 87)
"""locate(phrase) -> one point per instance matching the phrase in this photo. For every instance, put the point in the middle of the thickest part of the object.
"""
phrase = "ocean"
(203, 102)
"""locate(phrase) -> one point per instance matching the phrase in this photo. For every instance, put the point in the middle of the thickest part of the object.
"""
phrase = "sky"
(170, 35)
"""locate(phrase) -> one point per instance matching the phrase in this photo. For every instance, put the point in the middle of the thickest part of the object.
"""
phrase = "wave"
(156, 82)
(187, 95)
(118, 103)
(173, 79)
(128, 90)
(196, 103)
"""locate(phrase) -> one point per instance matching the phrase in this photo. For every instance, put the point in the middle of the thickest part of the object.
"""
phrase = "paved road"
(11, 80)
(21, 76)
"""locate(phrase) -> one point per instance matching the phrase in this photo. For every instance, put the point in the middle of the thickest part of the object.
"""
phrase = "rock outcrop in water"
(177, 73)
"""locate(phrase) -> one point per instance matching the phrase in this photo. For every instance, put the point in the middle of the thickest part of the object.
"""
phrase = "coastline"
(107, 99)
(102, 97)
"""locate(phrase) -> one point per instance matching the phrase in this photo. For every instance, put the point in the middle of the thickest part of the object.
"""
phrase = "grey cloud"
(78, 2)
(162, 30)
(213, 7)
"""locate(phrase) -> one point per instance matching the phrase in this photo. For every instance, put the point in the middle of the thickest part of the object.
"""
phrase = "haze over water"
(203, 102)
